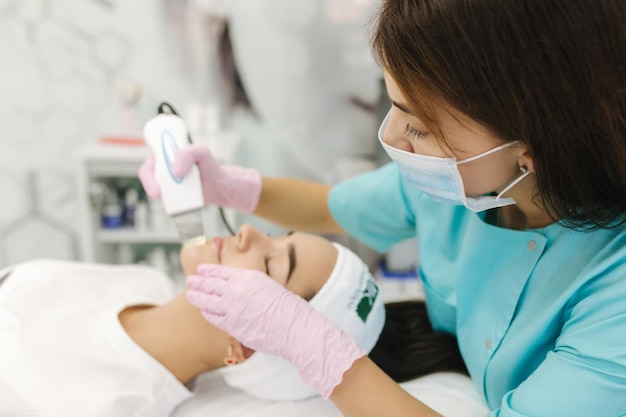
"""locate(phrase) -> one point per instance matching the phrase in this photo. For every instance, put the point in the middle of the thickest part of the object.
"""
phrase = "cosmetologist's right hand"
(229, 186)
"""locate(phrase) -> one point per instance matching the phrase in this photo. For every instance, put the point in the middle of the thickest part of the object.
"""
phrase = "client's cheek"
(301, 288)
(193, 256)
(244, 261)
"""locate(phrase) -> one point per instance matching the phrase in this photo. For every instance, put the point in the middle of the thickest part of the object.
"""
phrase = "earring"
(523, 169)
(229, 359)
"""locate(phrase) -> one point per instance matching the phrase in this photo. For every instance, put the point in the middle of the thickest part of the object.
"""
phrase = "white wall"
(61, 62)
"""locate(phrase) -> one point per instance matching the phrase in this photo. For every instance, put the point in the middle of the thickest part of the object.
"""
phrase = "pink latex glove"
(228, 186)
(265, 316)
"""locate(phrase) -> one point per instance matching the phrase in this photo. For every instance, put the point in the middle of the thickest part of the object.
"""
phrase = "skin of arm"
(297, 205)
(378, 394)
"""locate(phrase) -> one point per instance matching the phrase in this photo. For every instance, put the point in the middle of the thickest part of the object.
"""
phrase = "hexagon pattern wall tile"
(61, 60)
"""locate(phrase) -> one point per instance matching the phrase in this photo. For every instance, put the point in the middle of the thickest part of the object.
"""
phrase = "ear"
(240, 352)
(524, 158)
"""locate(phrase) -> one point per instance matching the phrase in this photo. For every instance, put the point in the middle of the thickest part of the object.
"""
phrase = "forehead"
(456, 131)
(392, 88)
(436, 108)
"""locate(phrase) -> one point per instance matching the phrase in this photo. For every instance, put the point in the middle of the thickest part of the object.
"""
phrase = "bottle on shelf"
(131, 197)
(112, 213)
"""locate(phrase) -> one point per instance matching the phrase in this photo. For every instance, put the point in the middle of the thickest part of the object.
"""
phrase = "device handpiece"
(182, 197)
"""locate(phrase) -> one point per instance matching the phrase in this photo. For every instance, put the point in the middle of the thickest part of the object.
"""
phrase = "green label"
(367, 302)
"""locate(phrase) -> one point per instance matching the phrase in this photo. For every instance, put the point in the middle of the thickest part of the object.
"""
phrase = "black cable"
(226, 224)
(160, 109)
(171, 110)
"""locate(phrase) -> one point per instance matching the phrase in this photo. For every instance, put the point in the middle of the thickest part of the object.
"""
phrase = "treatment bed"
(450, 394)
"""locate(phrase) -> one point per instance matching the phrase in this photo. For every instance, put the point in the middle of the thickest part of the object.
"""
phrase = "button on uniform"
(532, 245)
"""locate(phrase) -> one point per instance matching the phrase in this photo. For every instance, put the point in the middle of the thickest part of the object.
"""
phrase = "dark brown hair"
(550, 73)
(408, 347)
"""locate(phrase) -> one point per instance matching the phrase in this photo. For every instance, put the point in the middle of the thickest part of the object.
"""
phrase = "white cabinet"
(117, 164)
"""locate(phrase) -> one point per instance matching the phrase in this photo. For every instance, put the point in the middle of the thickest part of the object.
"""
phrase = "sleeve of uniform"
(373, 208)
(585, 374)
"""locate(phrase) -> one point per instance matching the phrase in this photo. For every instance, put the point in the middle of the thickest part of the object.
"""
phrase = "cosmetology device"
(182, 197)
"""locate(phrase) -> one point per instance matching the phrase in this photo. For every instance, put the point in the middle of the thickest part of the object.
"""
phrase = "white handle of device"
(166, 134)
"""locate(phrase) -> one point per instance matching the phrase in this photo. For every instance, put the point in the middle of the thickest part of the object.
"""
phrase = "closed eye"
(291, 257)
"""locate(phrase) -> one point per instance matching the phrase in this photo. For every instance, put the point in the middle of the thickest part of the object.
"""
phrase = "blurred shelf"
(98, 163)
(114, 161)
(129, 235)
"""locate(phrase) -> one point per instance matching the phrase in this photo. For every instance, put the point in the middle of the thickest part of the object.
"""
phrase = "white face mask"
(440, 177)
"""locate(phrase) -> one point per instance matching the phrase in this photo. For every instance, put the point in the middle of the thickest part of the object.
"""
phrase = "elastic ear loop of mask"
(167, 108)
(489, 152)
(513, 183)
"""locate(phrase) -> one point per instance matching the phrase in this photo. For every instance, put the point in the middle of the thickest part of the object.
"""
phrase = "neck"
(525, 214)
(177, 336)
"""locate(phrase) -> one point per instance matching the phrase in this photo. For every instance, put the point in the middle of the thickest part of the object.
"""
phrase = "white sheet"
(452, 395)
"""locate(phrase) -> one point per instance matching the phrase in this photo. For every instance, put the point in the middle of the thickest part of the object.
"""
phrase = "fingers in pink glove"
(207, 303)
(220, 292)
(194, 154)
(205, 291)
(148, 179)
(219, 271)
(208, 280)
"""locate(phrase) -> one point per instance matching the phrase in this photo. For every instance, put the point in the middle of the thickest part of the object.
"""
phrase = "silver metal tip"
(196, 241)
(190, 227)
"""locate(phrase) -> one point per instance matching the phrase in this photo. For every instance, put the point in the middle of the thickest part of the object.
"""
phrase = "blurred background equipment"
(287, 87)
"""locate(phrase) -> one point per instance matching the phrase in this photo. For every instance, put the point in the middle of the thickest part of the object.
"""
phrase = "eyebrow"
(401, 107)
(291, 250)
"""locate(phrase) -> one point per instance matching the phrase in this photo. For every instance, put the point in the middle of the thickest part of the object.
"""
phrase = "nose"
(248, 235)
(392, 133)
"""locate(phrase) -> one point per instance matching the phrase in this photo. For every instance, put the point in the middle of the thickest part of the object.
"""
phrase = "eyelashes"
(413, 133)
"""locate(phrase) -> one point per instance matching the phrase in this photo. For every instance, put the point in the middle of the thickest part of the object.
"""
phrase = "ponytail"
(408, 346)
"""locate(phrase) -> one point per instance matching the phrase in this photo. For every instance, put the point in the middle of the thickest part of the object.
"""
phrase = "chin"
(193, 256)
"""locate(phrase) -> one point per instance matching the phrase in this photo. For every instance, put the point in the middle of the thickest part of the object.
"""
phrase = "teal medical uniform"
(540, 314)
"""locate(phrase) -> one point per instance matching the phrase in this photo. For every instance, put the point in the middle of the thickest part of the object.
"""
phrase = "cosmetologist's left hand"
(265, 316)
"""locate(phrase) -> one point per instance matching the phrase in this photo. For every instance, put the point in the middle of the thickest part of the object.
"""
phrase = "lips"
(217, 243)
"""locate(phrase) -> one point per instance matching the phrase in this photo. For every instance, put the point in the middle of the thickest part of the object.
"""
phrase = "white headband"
(351, 299)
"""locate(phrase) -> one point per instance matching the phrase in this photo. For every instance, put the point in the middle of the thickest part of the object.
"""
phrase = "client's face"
(301, 262)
